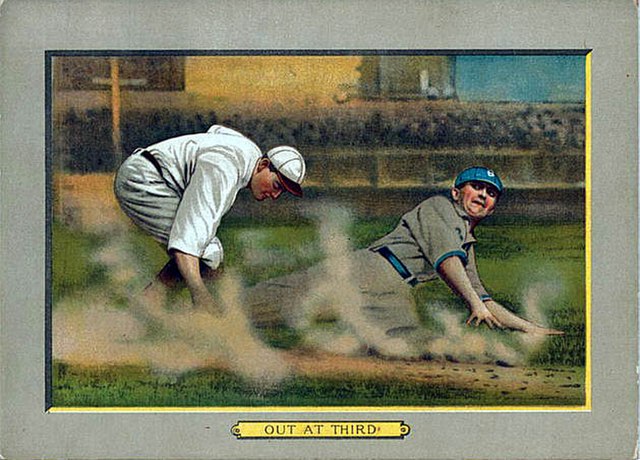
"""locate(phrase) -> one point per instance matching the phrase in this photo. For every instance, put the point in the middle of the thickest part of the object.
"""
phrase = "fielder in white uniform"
(179, 189)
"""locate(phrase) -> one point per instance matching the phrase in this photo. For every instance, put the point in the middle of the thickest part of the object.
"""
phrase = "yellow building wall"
(272, 80)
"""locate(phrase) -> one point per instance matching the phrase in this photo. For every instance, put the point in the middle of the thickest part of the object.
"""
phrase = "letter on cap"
(481, 174)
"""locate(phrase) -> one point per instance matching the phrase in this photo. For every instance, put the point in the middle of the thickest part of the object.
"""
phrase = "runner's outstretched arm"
(453, 273)
(513, 321)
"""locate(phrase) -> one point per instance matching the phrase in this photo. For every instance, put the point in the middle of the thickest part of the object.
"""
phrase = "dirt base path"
(511, 384)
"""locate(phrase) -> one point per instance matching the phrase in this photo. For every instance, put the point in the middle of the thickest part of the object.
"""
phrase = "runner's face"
(264, 183)
(478, 199)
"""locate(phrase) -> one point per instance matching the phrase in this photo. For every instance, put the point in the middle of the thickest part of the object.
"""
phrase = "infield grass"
(515, 259)
(135, 386)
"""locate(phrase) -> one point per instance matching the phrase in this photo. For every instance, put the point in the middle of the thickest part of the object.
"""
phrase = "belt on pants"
(149, 157)
(397, 265)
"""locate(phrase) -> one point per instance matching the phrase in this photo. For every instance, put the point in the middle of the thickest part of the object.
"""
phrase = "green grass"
(270, 250)
(128, 386)
(549, 260)
(545, 259)
(73, 267)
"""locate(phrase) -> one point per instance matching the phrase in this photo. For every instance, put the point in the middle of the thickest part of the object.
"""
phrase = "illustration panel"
(438, 257)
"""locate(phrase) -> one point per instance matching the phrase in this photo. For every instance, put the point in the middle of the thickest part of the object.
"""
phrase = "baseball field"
(108, 351)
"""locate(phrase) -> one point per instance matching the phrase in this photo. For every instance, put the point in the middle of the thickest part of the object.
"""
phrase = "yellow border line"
(587, 113)
(587, 386)
(312, 409)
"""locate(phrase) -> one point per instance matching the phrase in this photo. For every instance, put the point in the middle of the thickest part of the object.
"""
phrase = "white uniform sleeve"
(208, 196)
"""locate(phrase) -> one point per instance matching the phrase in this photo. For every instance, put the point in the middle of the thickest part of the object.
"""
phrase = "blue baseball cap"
(480, 174)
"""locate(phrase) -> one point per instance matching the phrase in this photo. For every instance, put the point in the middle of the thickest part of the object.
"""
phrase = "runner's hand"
(480, 314)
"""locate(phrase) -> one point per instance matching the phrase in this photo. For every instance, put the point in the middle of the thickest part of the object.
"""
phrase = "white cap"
(289, 166)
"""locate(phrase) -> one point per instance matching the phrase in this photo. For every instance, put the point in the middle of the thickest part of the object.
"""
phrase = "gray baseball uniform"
(434, 230)
(179, 189)
(381, 276)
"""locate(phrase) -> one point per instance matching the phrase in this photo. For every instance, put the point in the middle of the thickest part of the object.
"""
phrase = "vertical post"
(116, 137)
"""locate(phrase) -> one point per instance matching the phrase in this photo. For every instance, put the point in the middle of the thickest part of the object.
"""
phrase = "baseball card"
(319, 230)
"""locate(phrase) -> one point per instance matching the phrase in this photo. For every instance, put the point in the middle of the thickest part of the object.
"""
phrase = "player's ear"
(455, 193)
(262, 163)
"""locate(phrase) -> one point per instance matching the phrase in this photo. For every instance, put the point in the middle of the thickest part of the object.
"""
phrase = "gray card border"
(29, 28)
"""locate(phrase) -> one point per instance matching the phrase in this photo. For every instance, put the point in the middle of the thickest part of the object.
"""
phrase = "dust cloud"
(335, 296)
(469, 344)
(461, 343)
(148, 329)
(334, 293)
(534, 296)
(119, 323)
